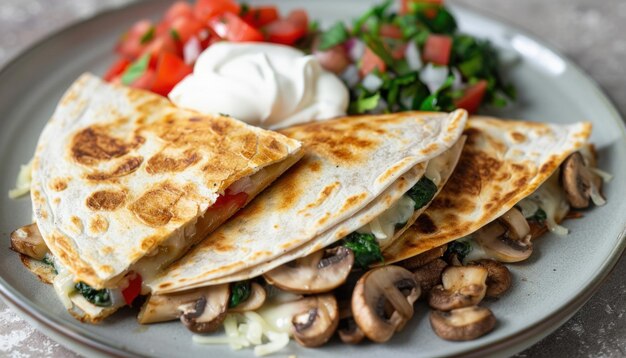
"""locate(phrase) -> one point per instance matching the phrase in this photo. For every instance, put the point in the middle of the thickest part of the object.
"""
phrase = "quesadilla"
(355, 171)
(507, 190)
(124, 183)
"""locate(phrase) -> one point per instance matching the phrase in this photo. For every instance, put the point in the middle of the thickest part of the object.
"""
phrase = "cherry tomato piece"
(232, 28)
(171, 69)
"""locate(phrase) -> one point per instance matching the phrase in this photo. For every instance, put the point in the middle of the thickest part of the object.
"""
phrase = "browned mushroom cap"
(462, 324)
(498, 277)
(423, 258)
(506, 239)
(349, 332)
(27, 241)
(580, 183)
(255, 300)
(463, 286)
(315, 320)
(382, 301)
(429, 275)
(207, 313)
(322, 271)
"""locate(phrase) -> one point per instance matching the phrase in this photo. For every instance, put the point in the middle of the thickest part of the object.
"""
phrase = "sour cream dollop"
(266, 85)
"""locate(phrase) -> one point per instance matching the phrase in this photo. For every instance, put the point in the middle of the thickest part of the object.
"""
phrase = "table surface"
(590, 32)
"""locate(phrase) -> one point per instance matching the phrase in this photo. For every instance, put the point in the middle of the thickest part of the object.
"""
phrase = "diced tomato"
(130, 44)
(170, 70)
(145, 81)
(179, 9)
(472, 97)
(185, 28)
(370, 62)
(390, 31)
(299, 18)
(260, 16)
(288, 30)
(232, 28)
(116, 69)
(405, 8)
(205, 10)
(238, 200)
(134, 288)
(162, 44)
(437, 49)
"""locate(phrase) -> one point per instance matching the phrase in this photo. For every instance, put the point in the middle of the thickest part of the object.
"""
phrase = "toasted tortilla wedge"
(348, 163)
(118, 173)
(503, 162)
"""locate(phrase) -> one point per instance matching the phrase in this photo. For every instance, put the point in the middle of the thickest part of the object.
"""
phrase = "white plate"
(561, 275)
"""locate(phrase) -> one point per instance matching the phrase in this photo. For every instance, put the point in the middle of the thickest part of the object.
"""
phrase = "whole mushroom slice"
(462, 286)
(429, 275)
(27, 241)
(508, 238)
(580, 183)
(321, 271)
(255, 300)
(462, 324)
(382, 301)
(201, 310)
(423, 258)
(316, 320)
(349, 332)
(498, 277)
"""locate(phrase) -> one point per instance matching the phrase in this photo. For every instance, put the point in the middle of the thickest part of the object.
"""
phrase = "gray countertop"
(590, 32)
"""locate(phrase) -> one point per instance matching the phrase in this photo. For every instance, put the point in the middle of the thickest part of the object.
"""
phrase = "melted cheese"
(550, 197)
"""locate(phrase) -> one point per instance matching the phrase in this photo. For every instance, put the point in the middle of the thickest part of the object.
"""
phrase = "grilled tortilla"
(124, 181)
(348, 163)
(502, 163)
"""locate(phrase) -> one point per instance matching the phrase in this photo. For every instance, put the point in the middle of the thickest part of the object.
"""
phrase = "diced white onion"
(356, 49)
(277, 341)
(458, 79)
(192, 50)
(22, 183)
(413, 56)
(434, 76)
(372, 83)
(351, 76)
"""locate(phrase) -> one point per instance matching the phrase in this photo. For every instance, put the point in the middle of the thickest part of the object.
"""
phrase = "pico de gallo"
(413, 59)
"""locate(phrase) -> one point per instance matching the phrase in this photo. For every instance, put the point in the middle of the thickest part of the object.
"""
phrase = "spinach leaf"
(436, 18)
(364, 104)
(100, 298)
(365, 248)
(540, 216)
(422, 192)
(239, 292)
(459, 248)
(136, 70)
(334, 36)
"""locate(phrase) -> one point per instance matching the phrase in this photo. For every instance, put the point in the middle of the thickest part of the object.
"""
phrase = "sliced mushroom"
(429, 275)
(580, 183)
(321, 271)
(462, 324)
(201, 310)
(423, 258)
(349, 332)
(463, 286)
(207, 313)
(255, 300)
(382, 301)
(498, 277)
(27, 241)
(507, 239)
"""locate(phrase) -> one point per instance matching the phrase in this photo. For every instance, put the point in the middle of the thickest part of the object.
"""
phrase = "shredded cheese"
(22, 183)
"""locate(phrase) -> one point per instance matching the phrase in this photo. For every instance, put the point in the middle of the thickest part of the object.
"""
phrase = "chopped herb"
(239, 292)
(365, 248)
(364, 104)
(459, 248)
(422, 192)
(540, 216)
(334, 36)
(224, 114)
(245, 9)
(175, 35)
(135, 70)
(147, 36)
(100, 298)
